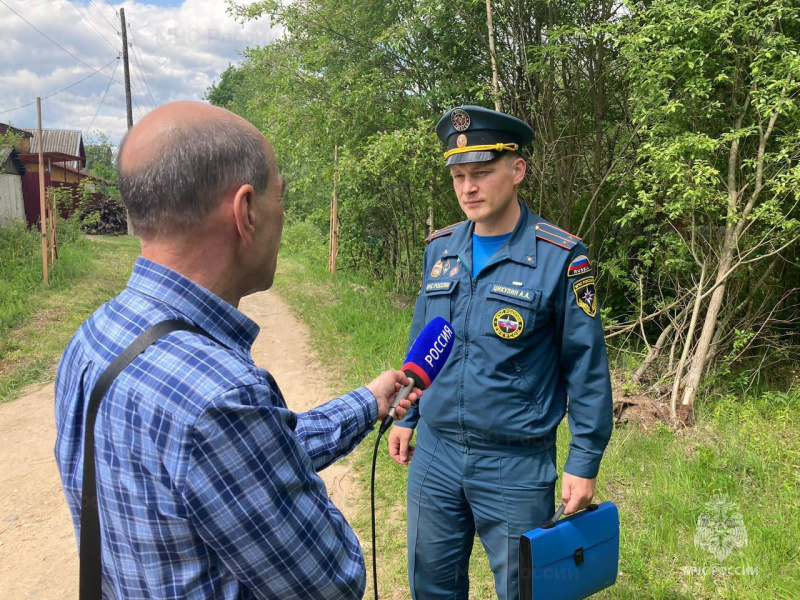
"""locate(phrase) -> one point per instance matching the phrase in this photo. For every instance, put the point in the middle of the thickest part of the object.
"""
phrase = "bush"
(20, 270)
(303, 238)
(21, 266)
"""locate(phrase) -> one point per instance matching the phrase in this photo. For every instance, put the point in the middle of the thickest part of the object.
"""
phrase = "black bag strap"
(91, 571)
(552, 521)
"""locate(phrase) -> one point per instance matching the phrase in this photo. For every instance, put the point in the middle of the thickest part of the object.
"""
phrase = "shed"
(12, 204)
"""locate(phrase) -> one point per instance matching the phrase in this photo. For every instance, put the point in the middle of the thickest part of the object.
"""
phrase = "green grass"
(20, 272)
(660, 480)
(36, 321)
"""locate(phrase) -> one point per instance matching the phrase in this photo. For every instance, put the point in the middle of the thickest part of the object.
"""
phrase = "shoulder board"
(442, 232)
(555, 235)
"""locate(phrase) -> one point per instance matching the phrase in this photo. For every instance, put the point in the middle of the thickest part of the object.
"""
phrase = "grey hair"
(191, 168)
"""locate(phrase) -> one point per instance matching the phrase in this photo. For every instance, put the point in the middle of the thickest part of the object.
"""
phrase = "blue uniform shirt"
(528, 336)
(484, 248)
(206, 481)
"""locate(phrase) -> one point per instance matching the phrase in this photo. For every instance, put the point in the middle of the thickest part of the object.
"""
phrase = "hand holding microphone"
(386, 387)
(426, 358)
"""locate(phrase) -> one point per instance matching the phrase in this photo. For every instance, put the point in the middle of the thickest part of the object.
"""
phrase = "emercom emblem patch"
(586, 295)
(508, 323)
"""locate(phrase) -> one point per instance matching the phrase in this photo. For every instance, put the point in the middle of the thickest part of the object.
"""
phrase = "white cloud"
(178, 52)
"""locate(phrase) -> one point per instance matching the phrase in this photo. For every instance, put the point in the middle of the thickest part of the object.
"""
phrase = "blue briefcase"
(570, 558)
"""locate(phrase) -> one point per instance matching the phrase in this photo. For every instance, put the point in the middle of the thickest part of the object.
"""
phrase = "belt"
(427, 437)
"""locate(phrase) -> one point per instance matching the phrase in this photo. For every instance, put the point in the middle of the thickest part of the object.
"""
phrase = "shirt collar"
(202, 307)
(521, 246)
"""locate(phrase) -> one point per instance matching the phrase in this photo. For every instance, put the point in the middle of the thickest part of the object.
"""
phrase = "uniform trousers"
(454, 492)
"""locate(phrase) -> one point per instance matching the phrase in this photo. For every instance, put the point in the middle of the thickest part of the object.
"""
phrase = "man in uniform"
(520, 293)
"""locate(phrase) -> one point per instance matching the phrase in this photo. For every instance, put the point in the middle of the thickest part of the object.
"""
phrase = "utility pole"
(431, 225)
(125, 66)
(53, 230)
(127, 90)
(495, 84)
(334, 229)
(42, 204)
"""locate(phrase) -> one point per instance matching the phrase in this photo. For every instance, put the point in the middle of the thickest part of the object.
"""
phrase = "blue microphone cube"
(573, 559)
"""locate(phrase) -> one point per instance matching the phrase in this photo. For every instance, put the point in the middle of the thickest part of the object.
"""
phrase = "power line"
(146, 87)
(145, 95)
(66, 88)
(141, 62)
(51, 39)
(92, 26)
(114, 27)
(110, 81)
(138, 66)
(140, 95)
(138, 89)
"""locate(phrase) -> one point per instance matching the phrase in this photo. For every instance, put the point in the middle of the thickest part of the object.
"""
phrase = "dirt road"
(38, 556)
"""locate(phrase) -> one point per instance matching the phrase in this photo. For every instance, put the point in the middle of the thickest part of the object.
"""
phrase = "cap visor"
(472, 157)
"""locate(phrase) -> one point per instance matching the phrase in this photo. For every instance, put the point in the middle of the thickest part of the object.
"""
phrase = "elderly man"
(206, 482)
(520, 293)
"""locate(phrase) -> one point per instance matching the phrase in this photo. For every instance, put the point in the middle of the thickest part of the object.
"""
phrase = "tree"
(718, 170)
(224, 93)
(100, 157)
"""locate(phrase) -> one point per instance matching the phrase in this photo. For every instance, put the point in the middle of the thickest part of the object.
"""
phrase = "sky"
(179, 48)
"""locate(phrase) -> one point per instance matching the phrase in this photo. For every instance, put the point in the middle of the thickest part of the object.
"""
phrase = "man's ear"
(519, 168)
(244, 213)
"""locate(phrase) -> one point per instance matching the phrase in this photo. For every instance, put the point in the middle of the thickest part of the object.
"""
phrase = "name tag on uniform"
(438, 287)
(517, 293)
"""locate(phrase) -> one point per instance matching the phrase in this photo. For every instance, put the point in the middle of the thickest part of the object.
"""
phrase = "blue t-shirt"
(484, 247)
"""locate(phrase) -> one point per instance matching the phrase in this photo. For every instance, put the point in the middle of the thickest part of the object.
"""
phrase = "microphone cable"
(381, 431)
(385, 424)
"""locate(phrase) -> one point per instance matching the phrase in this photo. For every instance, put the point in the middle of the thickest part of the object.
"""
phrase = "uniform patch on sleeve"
(586, 295)
(579, 266)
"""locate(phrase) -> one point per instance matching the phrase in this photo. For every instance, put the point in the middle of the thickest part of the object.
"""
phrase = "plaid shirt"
(206, 481)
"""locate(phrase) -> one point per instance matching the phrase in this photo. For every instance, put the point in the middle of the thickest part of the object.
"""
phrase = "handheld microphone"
(424, 361)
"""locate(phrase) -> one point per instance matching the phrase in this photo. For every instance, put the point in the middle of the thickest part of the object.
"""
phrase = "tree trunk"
(704, 343)
(688, 344)
(715, 304)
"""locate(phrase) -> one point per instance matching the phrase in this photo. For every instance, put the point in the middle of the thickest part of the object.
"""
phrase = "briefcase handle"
(551, 522)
